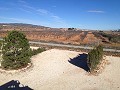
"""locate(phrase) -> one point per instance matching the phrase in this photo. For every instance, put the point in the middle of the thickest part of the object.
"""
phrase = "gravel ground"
(52, 71)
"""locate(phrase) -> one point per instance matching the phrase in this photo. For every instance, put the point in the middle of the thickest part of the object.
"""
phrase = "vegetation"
(36, 51)
(94, 57)
(112, 38)
(0, 49)
(115, 39)
(71, 29)
(15, 51)
(0, 44)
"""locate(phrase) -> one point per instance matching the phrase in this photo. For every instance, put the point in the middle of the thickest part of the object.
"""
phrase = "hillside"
(63, 35)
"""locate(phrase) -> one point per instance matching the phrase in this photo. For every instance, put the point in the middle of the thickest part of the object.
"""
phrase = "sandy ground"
(52, 71)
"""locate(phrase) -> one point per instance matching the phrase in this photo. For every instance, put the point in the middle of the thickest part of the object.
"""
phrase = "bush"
(36, 51)
(115, 39)
(94, 57)
(15, 51)
(111, 37)
(0, 44)
(99, 49)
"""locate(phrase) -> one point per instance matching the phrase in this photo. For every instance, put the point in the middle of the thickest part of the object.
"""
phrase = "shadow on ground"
(14, 85)
(80, 61)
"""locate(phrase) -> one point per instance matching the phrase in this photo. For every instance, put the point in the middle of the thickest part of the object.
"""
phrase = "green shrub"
(111, 37)
(100, 52)
(115, 39)
(15, 51)
(36, 51)
(94, 57)
(0, 44)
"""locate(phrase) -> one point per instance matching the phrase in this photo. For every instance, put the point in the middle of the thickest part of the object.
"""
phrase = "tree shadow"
(14, 85)
(80, 61)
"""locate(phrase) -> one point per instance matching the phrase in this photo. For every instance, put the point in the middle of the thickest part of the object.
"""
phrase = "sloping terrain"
(64, 35)
(52, 71)
(72, 37)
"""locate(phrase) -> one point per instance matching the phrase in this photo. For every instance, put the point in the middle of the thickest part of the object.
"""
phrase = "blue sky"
(85, 14)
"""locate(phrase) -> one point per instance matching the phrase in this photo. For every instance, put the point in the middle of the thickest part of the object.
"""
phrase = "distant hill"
(22, 27)
(63, 35)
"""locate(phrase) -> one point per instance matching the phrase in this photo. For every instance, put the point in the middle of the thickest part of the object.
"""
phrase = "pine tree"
(15, 51)
(94, 57)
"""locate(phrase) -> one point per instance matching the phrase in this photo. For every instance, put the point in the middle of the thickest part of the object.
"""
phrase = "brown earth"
(59, 35)
(72, 37)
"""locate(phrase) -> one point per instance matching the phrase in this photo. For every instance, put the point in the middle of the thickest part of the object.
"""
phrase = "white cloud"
(51, 19)
(21, 1)
(57, 18)
(31, 9)
(15, 19)
(96, 11)
(28, 7)
(22, 20)
(59, 21)
(42, 11)
(25, 10)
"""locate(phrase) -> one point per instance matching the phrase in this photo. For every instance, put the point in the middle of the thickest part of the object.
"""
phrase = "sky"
(84, 14)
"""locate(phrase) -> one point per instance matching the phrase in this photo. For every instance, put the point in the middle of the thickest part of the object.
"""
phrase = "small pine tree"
(15, 51)
(94, 57)
(100, 52)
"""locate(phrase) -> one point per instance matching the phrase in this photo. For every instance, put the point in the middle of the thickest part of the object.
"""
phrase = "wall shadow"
(14, 85)
(80, 61)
